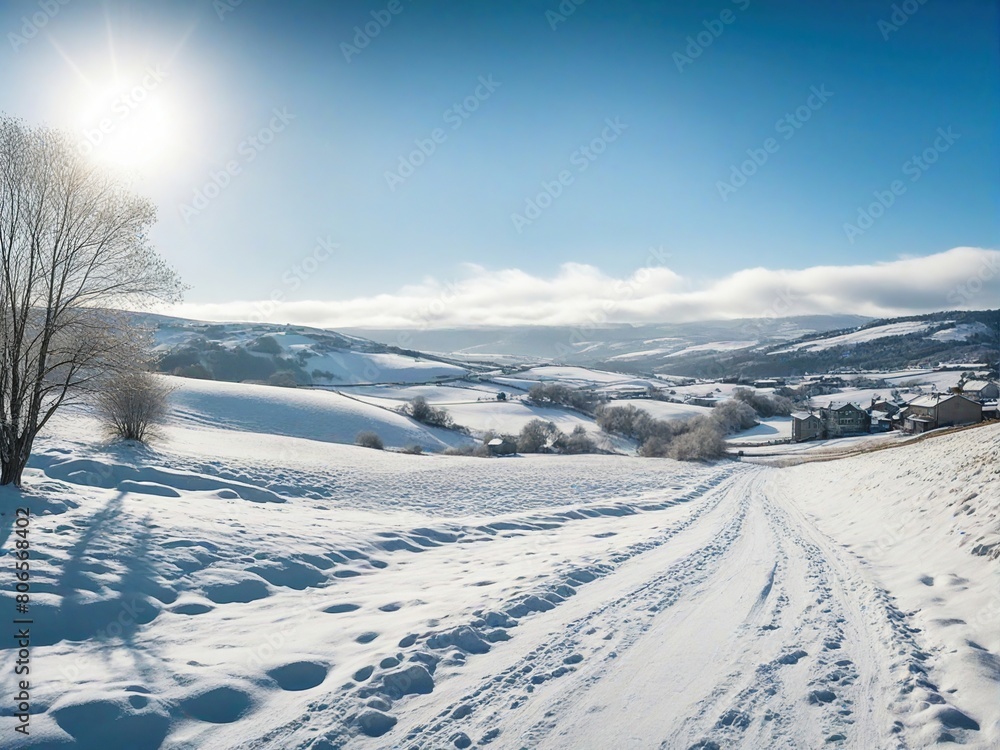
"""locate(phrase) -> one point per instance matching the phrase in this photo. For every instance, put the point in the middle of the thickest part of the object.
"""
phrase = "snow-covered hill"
(238, 352)
(234, 588)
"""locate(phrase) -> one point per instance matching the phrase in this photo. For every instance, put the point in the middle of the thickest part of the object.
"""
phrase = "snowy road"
(745, 629)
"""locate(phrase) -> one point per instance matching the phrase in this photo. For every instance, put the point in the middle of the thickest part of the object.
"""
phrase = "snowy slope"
(246, 351)
(233, 589)
(296, 412)
(866, 334)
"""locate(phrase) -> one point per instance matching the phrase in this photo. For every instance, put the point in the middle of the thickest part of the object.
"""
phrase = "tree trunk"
(12, 467)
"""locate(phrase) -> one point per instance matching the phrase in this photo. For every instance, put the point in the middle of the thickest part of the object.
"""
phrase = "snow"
(574, 376)
(666, 410)
(247, 583)
(345, 359)
(772, 428)
(961, 332)
(296, 412)
(856, 337)
(716, 346)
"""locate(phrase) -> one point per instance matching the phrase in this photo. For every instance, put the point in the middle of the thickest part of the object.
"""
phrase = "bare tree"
(133, 404)
(73, 245)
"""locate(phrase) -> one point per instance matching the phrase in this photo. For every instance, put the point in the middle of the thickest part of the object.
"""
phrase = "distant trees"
(539, 436)
(265, 345)
(765, 405)
(73, 244)
(733, 416)
(132, 404)
(536, 436)
(696, 438)
(577, 442)
(423, 412)
(557, 394)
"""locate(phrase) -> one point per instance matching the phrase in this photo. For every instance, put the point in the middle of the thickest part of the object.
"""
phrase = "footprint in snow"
(299, 675)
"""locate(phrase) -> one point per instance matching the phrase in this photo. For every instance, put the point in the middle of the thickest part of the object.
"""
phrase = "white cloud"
(960, 278)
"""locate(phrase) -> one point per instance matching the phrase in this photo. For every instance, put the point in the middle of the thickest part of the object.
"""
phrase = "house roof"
(976, 385)
(926, 420)
(840, 405)
(800, 415)
(925, 401)
(934, 400)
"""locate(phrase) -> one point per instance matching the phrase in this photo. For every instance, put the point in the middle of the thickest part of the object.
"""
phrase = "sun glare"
(128, 125)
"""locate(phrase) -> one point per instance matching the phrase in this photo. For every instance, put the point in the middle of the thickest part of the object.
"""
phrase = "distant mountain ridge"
(301, 355)
(590, 344)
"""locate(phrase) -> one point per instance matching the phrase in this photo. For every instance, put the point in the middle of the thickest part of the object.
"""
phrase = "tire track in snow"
(347, 705)
(598, 638)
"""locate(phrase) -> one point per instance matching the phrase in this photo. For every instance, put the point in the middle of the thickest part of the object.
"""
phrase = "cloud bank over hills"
(960, 278)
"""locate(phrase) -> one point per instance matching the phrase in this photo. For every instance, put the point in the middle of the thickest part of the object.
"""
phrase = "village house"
(981, 390)
(806, 426)
(832, 421)
(940, 410)
(844, 419)
(886, 408)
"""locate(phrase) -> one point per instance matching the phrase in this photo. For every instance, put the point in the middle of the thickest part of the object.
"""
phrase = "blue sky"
(834, 99)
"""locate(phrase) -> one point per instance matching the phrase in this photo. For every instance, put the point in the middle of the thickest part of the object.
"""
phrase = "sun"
(130, 123)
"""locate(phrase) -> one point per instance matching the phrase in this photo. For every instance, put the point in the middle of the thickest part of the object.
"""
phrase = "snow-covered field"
(295, 412)
(247, 584)
(855, 337)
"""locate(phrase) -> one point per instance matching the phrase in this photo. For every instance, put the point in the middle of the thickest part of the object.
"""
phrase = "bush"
(424, 413)
(704, 441)
(654, 447)
(369, 439)
(765, 406)
(634, 423)
(413, 450)
(733, 416)
(577, 442)
(620, 420)
(537, 436)
(283, 378)
(686, 440)
(132, 405)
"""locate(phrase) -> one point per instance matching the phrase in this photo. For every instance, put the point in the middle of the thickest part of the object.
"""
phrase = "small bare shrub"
(369, 439)
(133, 404)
